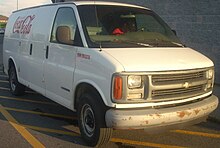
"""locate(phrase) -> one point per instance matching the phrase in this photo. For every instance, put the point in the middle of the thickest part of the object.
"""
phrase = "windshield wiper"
(172, 42)
(136, 43)
(178, 44)
(161, 43)
(144, 44)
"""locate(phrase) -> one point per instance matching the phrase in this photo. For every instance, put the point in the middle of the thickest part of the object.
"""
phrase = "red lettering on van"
(84, 56)
(23, 24)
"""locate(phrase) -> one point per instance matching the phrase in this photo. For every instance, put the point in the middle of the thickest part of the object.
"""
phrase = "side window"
(65, 30)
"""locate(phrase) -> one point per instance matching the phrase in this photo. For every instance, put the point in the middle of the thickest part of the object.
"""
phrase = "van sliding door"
(34, 46)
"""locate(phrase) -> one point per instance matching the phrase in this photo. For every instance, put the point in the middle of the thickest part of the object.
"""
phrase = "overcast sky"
(8, 6)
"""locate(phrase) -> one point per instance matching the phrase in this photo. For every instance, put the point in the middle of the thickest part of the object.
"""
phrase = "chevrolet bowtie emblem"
(186, 85)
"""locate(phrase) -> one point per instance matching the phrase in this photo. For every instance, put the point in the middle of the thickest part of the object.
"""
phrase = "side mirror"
(63, 35)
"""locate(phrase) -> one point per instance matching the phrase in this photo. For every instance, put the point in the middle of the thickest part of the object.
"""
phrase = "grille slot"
(175, 78)
(178, 92)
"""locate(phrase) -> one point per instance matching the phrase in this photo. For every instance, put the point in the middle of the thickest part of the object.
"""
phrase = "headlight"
(210, 74)
(210, 77)
(134, 82)
(129, 87)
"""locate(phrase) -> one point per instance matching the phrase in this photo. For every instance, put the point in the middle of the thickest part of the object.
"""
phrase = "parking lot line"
(39, 113)
(115, 139)
(131, 142)
(197, 133)
(2, 81)
(3, 88)
(21, 129)
(52, 130)
(5, 76)
(27, 100)
(72, 118)
(7, 89)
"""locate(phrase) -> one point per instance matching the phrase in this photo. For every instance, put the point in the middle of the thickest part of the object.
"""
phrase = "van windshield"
(123, 27)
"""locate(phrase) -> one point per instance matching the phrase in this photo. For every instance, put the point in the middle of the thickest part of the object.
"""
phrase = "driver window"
(64, 27)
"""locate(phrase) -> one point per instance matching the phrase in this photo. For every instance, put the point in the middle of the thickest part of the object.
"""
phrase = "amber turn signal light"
(117, 88)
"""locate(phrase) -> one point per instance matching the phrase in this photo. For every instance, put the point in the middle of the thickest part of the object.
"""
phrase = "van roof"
(104, 3)
(78, 3)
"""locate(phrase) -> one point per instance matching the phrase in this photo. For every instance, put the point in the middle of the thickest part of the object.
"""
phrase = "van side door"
(33, 46)
(60, 56)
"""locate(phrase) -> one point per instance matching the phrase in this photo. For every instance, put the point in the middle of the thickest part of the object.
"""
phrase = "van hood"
(159, 59)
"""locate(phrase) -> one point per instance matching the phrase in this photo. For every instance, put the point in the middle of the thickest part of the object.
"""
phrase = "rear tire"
(91, 120)
(16, 88)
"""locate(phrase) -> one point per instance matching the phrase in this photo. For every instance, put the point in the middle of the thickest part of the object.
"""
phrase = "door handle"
(47, 52)
(31, 47)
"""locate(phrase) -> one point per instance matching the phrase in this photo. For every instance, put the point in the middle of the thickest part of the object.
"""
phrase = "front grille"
(178, 92)
(178, 85)
(176, 78)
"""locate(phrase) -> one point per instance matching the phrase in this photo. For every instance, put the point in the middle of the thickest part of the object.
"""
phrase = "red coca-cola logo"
(23, 24)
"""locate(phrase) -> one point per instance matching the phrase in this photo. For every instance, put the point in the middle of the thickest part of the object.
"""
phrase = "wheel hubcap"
(88, 120)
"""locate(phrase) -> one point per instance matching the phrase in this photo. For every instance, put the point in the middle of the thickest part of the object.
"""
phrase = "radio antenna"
(97, 24)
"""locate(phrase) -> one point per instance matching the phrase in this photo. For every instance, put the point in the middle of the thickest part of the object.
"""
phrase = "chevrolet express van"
(119, 66)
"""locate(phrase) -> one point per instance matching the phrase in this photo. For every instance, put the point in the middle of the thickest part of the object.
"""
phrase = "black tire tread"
(106, 136)
(20, 89)
(105, 133)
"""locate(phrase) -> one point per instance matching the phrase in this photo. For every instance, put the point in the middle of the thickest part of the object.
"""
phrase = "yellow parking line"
(73, 118)
(21, 129)
(197, 133)
(8, 89)
(2, 81)
(39, 113)
(131, 142)
(3, 88)
(26, 100)
(4, 76)
(52, 130)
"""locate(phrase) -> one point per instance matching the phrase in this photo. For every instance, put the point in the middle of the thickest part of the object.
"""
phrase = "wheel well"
(10, 63)
(86, 88)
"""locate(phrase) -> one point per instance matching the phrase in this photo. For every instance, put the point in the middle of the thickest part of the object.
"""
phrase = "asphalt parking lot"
(28, 112)
(35, 121)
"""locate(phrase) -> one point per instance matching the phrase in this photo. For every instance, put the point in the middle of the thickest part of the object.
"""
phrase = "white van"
(118, 65)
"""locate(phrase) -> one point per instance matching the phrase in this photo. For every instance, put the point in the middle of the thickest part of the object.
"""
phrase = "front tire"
(91, 119)
(16, 88)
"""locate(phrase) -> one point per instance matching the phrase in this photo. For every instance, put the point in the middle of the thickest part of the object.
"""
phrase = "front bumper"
(162, 117)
